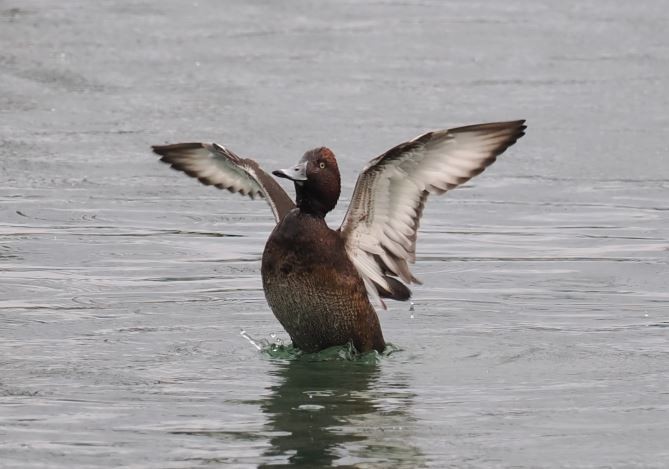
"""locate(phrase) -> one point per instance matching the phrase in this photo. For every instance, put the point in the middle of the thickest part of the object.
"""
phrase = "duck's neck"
(312, 203)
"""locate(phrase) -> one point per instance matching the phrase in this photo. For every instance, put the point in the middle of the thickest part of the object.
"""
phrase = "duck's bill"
(296, 173)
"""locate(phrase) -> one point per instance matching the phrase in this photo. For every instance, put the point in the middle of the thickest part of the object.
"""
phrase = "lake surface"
(539, 337)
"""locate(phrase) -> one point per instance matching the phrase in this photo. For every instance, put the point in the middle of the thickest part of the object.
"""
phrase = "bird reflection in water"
(336, 412)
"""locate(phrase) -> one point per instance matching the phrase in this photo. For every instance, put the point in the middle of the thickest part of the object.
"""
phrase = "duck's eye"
(322, 165)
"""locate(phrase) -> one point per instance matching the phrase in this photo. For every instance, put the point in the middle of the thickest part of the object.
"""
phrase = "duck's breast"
(313, 288)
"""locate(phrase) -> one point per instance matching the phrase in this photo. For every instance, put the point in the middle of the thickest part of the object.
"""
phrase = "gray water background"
(539, 337)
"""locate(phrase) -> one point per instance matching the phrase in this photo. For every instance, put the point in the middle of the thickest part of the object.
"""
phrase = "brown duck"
(319, 281)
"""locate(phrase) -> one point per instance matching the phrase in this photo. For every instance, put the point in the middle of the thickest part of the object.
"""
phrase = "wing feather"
(215, 165)
(381, 225)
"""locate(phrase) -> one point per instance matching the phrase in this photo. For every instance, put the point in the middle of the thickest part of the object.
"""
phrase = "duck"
(320, 282)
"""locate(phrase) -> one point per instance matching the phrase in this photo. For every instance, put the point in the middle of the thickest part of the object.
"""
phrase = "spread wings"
(215, 165)
(381, 223)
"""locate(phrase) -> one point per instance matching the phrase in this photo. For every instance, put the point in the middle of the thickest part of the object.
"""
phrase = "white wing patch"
(381, 224)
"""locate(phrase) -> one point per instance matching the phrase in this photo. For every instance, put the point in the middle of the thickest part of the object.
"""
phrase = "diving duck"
(319, 281)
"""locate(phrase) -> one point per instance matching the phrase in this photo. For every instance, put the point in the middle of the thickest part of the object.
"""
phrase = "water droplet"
(411, 306)
(273, 335)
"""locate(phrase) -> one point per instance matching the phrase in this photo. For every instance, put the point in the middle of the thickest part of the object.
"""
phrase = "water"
(539, 337)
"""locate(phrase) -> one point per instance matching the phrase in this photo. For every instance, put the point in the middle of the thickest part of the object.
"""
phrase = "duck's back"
(313, 288)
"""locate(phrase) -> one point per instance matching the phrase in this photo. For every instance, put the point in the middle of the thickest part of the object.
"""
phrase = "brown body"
(313, 288)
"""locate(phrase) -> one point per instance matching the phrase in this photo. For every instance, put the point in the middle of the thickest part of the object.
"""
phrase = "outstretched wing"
(381, 223)
(215, 165)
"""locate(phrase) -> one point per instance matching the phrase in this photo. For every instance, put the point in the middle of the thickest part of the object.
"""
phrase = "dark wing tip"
(508, 132)
(160, 149)
(517, 126)
(516, 129)
(166, 150)
(398, 291)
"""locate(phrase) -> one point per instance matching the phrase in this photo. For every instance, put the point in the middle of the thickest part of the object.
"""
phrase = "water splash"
(337, 353)
(411, 309)
(251, 340)
(278, 350)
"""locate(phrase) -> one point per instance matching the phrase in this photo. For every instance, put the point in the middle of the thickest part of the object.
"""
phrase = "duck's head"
(317, 181)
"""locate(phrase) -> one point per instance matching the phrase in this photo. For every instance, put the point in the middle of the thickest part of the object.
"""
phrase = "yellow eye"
(322, 165)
